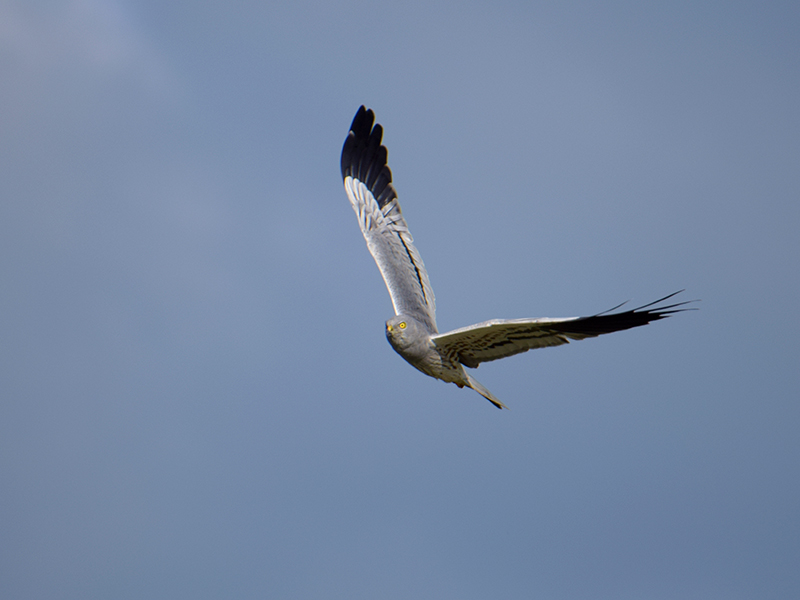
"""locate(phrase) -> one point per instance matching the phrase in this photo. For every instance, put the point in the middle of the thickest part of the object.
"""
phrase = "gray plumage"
(412, 331)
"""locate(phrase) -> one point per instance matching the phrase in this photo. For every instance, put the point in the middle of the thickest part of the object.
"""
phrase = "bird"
(412, 331)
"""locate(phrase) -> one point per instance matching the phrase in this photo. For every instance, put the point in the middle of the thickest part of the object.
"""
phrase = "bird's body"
(412, 332)
(413, 341)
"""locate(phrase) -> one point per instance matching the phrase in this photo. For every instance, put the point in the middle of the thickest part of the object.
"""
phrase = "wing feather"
(368, 184)
(500, 338)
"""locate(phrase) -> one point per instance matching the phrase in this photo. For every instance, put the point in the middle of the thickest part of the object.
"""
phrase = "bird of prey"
(412, 331)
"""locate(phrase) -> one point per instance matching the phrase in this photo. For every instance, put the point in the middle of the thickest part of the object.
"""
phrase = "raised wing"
(368, 183)
(500, 338)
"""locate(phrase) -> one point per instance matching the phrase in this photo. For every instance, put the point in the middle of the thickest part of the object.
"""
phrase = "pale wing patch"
(499, 338)
(391, 245)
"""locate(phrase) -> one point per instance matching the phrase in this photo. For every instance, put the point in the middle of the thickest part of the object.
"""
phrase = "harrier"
(412, 331)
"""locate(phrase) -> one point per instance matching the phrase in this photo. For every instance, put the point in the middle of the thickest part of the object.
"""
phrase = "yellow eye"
(402, 325)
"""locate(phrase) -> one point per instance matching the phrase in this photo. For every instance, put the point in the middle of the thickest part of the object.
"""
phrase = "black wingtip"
(364, 157)
(360, 129)
(609, 321)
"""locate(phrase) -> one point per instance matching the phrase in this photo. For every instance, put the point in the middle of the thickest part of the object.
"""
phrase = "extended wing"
(368, 183)
(500, 338)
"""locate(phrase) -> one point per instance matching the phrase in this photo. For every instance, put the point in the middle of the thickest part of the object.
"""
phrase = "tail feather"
(475, 385)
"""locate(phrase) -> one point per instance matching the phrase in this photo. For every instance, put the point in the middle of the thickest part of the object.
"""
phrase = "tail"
(475, 385)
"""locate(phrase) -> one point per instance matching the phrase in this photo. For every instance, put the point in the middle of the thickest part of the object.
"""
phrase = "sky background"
(197, 399)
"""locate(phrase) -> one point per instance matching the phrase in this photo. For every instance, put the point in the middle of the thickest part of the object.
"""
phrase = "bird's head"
(404, 332)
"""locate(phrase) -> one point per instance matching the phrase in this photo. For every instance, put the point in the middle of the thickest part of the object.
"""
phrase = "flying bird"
(412, 331)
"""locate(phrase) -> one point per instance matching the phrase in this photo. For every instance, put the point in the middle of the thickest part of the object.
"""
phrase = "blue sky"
(198, 400)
